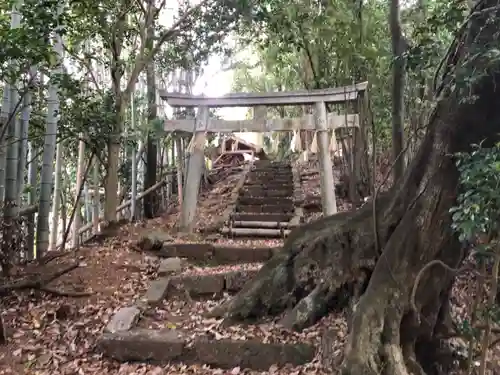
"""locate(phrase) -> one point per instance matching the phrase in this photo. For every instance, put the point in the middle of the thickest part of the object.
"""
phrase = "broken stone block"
(157, 291)
(235, 254)
(142, 345)
(197, 285)
(124, 319)
(194, 251)
(251, 354)
(170, 265)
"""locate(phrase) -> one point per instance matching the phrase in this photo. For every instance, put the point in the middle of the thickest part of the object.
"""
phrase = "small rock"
(157, 291)
(124, 319)
(162, 346)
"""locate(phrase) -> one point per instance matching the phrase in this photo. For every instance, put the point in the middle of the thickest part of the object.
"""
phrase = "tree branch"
(85, 65)
(144, 57)
(38, 281)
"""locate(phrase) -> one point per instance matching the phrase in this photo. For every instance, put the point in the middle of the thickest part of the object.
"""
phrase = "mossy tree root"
(320, 266)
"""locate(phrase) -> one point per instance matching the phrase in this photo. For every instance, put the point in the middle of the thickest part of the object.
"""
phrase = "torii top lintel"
(333, 95)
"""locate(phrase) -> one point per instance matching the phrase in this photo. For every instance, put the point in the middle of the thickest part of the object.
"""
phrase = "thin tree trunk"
(32, 182)
(133, 202)
(398, 84)
(23, 145)
(151, 144)
(49, 149)
(75, 239)
(56, 203)
(96, 196)
(111, 183)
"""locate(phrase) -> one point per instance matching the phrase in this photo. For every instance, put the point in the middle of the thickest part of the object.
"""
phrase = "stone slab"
(197, 285)
(265, 200)
(257, 191)
(169, 266)
(251, 354)
(265, 209)
(227, 254)
(123, 320)
(157, 291)
(197, 251)
(165, 346)
(261, 217)
(142, 345)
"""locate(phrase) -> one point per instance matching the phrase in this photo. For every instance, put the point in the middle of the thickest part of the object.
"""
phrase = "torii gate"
(321, 122)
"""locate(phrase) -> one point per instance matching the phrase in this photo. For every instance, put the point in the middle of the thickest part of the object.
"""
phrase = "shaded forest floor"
(50, 334)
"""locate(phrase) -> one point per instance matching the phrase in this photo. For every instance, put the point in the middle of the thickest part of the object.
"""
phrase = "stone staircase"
(265, 206)
(172, 322)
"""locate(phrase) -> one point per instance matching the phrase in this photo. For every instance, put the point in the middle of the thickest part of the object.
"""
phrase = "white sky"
(214, 82)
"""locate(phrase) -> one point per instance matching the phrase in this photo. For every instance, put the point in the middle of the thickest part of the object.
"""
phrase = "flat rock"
(124, 319)
(170, 265)
(195, 251)
(157, 291)
(199, 284)
(228, 254)
(165, 346)
(142, 345)
(250, 354)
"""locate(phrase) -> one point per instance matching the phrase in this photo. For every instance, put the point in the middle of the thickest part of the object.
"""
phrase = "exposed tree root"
(397, 323)
(321, 264)
(38, 280)
(61, 293)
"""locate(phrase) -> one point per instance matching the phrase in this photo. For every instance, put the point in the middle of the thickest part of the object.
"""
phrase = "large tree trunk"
(324, 261)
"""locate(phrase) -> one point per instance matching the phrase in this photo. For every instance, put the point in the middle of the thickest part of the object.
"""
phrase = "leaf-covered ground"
(57, 335)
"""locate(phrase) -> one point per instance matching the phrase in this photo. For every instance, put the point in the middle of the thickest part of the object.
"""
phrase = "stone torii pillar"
(194, 171)
(328, 200)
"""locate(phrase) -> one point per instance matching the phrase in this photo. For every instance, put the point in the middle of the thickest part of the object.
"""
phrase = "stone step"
(170, 345)
(209, 284)
(255, 232)
(279, 171)
(265, 174)
(261, 224)
(196, 285)
(270, 184)
(270, 179)
(205, 252)
(284, 217)
(259, 191)
(274, 208)
(255, 201)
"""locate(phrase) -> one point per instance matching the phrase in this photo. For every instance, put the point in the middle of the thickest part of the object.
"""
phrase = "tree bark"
(326, 263)
(398, 85)
(150, 200)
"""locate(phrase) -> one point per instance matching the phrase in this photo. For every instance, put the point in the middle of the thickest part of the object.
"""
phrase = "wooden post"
(327, 184)
(180, 169)
(260, 115)
(305, 150)
(194, 172)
